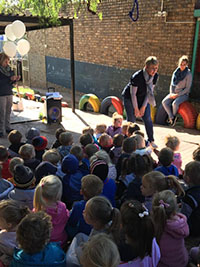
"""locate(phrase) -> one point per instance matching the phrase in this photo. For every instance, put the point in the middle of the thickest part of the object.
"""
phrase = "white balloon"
(10, 49)
(23, 46)
(18, 28)
(9, 32)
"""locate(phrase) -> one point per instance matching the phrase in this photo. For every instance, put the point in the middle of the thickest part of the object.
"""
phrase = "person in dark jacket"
(138, 95)
(7, 79)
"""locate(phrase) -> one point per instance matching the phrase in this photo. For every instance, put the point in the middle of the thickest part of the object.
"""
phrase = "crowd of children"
(104, 202)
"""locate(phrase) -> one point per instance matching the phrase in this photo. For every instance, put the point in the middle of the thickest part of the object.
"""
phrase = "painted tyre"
(186, 111)
(198, 122)
(153, 113)
(111, 100)
(189, 114)
(64, 104)
(92, 99)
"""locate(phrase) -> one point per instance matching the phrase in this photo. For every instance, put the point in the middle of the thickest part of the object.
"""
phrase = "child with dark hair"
(66, 140)
(116, 150)
(156, 181)
(88, 152)
(24, 182)
(139, 232)
(170, 229)
(89, 130)
(115, 128)
(132, 128)
(4, 161)
(191, 201)
(100, 214)
(33, 235)
(5, 187)
(15, 138)
(40, 144)
(27, 153)
(11, 213)
(77, 151)
(100, 168)
(196, 154)
(130, 181)
(56, 144)
(91, 186)
(86, 139)
(128, 147)
(166, 156)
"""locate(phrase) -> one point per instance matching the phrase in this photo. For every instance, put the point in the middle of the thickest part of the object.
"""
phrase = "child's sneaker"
(153, 145)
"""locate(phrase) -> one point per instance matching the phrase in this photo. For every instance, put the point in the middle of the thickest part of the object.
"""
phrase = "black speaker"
(54, 111)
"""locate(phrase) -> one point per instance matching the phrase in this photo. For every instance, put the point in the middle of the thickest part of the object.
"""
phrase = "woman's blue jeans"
(171, 105)
(146, 118)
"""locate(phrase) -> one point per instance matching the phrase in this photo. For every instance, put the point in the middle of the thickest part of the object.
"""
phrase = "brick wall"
(119, 43)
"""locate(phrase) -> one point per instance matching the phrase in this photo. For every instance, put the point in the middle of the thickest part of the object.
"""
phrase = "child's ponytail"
(38, 201)
(115, 224)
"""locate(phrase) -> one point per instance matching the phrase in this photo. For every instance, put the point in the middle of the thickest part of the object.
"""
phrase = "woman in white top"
(179, 89)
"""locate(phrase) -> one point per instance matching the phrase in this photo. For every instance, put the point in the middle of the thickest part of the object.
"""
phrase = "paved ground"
(75, 122)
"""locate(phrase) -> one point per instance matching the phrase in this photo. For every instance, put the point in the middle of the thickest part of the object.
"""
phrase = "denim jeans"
(146, 118)
(171, 105)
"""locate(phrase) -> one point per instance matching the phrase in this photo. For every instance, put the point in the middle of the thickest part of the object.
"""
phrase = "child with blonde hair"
(139, 234)
(170, 228)
(27, 153)
(100, 250)
(173, 142)
(115, 128)
(66, 140)
(100, 129)
(141, 147)
(47, 198)
(156, 181)
(11, 213)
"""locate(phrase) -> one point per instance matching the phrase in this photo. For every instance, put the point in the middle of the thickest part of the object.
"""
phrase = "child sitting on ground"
(11, 213)
(5, 187)
(89, 130)
(31, 133)
(24, 182)
(141, 147)
(115, 128)
(91, 186)
(105, 142)
(27, 153)
(77, 151)
(33, 235)
(100, 214)
(116, 150)
(125, 125)
(40, 144)
(88, 152)
(196, 154)
(53, 156)
(47, 198)
(99, 168)
(128, 147)
(4, 161)
(99, 130)
(102, 154)
(66, 140)
(191, 201)
(140, 235)
(132, 128)
(173, 142)
(86, 139)
(15, 138)
(100, 250)
(156, 181)
(166, 156)
(56, 144)
(170, 228)
(13, 162)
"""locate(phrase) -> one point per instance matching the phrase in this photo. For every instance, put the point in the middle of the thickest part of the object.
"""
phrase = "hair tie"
(144, 213)
(42, 185)
(131, 205)
(163, 204)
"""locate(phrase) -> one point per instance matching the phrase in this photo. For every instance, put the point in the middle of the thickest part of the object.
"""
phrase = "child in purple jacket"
(115, 128)
(171, 229)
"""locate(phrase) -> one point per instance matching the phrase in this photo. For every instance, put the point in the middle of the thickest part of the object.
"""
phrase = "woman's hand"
(142, 111)
(173, 96)
(15, 78)
(137, 113)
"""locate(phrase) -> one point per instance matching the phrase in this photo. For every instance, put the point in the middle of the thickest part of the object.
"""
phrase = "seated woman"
(179, 89)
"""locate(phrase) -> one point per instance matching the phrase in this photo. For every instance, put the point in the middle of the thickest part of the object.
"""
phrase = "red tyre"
(189, 114)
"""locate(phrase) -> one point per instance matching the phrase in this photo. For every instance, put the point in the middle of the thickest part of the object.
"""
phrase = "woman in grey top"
(179, 89)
